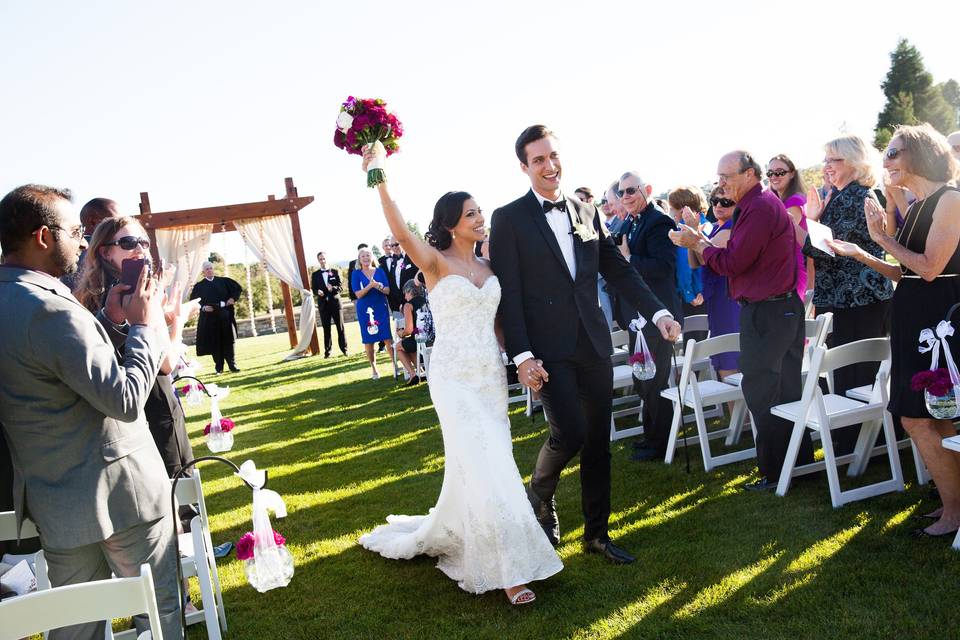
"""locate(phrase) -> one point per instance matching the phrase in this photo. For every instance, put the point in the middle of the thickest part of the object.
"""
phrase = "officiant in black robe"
(217, 325)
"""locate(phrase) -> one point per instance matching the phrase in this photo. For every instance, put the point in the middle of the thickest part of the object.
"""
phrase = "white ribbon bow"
(267, 498)
(935, 340)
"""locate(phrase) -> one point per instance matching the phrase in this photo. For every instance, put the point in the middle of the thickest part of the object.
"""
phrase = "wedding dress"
(482, 529)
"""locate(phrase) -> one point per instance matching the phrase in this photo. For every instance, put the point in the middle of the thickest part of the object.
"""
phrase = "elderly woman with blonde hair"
(856, 295)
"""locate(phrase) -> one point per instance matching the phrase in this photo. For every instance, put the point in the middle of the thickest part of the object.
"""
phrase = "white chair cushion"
(711, 392)
(861, 393)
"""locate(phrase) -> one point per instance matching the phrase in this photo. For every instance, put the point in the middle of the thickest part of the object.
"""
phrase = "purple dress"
(800, 200)
(723, 314)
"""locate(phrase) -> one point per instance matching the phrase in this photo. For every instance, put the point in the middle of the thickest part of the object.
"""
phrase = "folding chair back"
(79, 603)
(697, 323)
(8, 527)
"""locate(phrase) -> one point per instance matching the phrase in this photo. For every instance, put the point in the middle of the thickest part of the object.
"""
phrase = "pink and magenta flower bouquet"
(247, 542)
(936, 381)
(226, 425)
(366, 121)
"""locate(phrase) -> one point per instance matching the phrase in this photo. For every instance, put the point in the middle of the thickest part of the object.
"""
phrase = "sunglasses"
(395, 244)
(722, 202)
(893, 152)
(630, 191)
(129, 243)
(777, 172)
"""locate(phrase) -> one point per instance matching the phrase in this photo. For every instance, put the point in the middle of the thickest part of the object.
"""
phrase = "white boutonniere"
(586, 233)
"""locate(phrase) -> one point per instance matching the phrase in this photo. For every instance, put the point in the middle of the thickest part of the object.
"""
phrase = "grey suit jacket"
(85, 465)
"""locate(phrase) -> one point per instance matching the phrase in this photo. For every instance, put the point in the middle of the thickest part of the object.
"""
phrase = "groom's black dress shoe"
(608, 550)
(646, 454)
(546, 513)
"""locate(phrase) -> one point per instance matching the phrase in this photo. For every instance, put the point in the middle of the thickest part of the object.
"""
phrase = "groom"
(546, 250)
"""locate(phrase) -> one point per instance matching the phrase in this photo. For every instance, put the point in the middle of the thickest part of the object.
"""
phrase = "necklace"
(914, 220)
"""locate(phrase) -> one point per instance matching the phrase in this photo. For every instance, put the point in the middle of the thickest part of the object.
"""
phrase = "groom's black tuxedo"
(542, 308)
(558, 319)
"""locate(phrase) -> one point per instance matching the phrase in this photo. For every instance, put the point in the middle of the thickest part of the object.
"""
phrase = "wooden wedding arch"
(221, 219)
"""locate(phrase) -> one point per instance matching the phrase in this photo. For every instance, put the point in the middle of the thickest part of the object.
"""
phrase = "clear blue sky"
(207, 103)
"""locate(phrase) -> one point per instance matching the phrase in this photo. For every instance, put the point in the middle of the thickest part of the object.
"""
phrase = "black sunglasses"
(630, 191)
(722, 202)
(129, 243)
(777, 172)
(893, 152)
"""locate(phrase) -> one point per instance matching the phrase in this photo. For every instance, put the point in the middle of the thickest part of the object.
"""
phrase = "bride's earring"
(453, 235)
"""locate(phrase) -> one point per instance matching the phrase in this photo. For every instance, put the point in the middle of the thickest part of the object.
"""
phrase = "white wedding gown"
(482, 529)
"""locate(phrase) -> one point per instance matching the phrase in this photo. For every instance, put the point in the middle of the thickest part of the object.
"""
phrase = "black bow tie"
(547, 206)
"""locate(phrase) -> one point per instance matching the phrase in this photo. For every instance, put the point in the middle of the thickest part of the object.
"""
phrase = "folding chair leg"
(869, 431)
(893, 451)
(793, 450)
(830, 465)
(704, 438)
(736, 422)
(674, 432)
(209, 602)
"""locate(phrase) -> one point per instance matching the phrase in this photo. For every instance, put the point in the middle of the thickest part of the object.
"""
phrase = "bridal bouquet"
(366, 121)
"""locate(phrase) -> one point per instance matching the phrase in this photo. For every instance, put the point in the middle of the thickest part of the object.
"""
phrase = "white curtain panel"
(271, 240)
(186, 248)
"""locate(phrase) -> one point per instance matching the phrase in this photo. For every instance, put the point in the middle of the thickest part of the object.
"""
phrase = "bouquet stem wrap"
(375, 173)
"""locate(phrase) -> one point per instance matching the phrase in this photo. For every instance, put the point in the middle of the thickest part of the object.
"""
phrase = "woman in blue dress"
(373, 313)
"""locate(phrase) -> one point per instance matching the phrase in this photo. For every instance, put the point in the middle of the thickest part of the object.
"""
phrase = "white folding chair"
(628, 403)
(196, 551)
(423, 359)
(79, 603)
(953, 444)
(8, 527)
(815, 330)
(697, 394)
(824, 413)
(864, 394)
(808, 303)
(196, 560)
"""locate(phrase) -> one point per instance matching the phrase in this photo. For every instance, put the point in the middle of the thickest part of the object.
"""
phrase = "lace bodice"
(463, 318)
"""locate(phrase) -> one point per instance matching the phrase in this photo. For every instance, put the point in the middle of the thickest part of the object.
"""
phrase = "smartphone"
(130, 270)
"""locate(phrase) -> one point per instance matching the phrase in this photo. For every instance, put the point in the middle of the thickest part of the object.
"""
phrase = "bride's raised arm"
(422, 254)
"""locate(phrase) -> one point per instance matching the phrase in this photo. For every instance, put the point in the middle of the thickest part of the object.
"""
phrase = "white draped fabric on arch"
(271, 240)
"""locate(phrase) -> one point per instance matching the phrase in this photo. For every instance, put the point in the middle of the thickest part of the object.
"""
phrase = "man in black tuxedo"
(654, 256)
(326, 285)
(402, 270)
(546, 251)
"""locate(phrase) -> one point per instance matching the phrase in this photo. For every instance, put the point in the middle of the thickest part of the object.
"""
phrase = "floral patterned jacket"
(842, 282)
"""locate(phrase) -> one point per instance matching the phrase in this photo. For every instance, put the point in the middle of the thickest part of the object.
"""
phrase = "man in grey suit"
(86, 469)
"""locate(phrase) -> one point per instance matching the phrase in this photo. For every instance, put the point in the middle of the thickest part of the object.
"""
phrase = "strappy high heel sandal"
(524, 596)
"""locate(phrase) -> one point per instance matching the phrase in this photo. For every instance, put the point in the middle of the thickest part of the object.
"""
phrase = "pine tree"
(912, 97)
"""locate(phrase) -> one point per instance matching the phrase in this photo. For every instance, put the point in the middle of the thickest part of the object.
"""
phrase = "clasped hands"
(688, 234)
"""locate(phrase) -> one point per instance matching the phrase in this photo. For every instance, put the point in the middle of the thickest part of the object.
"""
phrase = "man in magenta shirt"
(759, 262)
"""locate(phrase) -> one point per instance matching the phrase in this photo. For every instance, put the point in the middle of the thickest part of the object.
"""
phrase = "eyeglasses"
(832, 160)
(722, 202)
(395, 244)
(630, 191)
(893, 152)
(129, 243)
(727, 176)
(76, 232)
(777, 172)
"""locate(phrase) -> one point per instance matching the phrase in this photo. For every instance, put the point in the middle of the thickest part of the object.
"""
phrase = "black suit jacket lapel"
(540, 220)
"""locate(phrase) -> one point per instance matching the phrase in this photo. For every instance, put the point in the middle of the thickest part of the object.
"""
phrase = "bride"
(482, 529)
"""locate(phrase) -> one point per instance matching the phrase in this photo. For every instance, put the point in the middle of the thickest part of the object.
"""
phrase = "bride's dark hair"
(446, 215)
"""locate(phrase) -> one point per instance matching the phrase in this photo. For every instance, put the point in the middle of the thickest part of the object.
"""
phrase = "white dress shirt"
(559, 222)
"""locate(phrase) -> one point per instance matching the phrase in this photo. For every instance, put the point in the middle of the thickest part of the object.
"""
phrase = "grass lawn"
(712, 561)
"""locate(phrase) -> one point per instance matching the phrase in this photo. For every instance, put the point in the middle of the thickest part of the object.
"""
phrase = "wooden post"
(301, 259)
(288, 312)
(151, 232)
